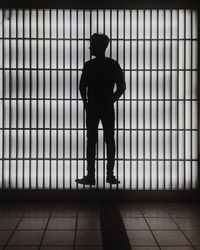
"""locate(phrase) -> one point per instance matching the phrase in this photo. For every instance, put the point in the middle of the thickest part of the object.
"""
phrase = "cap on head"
(99, 41)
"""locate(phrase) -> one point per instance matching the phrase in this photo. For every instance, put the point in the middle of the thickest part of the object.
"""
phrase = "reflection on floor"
(76, 226)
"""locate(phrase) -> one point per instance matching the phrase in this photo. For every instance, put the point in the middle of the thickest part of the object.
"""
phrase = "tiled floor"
(74, 226)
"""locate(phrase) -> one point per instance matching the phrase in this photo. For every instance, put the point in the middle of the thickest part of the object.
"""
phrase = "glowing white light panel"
(42, 124)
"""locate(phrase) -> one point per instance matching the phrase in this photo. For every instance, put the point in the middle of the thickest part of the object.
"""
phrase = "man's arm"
(120, 83)
(83, 88)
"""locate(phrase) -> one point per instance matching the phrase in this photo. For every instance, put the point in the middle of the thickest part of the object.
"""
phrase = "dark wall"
(90, 4)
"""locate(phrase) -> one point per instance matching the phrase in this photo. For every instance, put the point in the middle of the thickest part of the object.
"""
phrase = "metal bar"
(144, 103)
(164, 86)
(57, 89)
(30, 96)
(84, 140)
(137, 95)
(37, 106)
(24, 91)
(157, 102)
(97, 145)
(3, 103)
(191, 90)
(50, 115)
(44, 88)
(17, 103)
(118, 159)
(70, 94)
(184, 112)
(64, 136)
(120, 129)
(131, 103)
(150, 99)
(178, 166)
(171, 20)
(117, 105)
(198, 107)
(10, 93)
(124, 142)
(60, 69)
(77, 84)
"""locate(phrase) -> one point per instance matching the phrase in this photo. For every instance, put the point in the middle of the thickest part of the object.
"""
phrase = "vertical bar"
(57, 89)
(150, 99)
(37, 93)
(117, 105)
(50, 115)
(198, 107)
(30, 102)
(144, 103)
(17, 104)
(3, 104)
(77, 82)
(137, 94)
(184, 116)
(157, 103)
(24, 91)
(70, 94)
(171, 99)
(164, 83)
(44, 88)
(84, 141)
(124, 130)
(64, 136)
(97, 145)
(131, 102)
(191, 90)
(178, 162)
(10, 101)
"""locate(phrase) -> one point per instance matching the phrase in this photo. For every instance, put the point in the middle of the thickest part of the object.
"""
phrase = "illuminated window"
(42, 125)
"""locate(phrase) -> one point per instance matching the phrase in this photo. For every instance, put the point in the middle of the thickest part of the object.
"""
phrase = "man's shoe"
(86, 180)
(112, 180)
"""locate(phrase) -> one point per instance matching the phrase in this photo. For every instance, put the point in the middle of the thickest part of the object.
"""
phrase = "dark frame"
(107, 195)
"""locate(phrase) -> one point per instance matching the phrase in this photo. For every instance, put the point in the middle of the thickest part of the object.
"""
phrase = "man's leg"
(92, 121)
(108, 120)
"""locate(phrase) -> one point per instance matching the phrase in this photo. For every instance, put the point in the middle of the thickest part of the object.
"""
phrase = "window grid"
(42, 130)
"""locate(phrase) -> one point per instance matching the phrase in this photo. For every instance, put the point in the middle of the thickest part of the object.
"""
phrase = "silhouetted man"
(98, 79)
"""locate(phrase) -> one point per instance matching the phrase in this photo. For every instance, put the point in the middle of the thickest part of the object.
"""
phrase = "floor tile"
(4, 236)
(145, 248)
(69, 213)
(88, 212)
(32, 223)
(10, 213)
(56, 248)
(161, 223)
(59, 237)
(188, 223)
(37, 213)
(143, 238)
(88, 238)
(21, 248)
(155, 212)
(62, 223)
(31, 237)
(8, 223)
(184, 213)
(173, 238)
(194, 237)
(135, 223)
(88, 223)
(127, 212)
(177, 248)
(88, 248)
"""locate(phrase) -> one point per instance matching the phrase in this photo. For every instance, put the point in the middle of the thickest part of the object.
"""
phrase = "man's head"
(98, 44)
